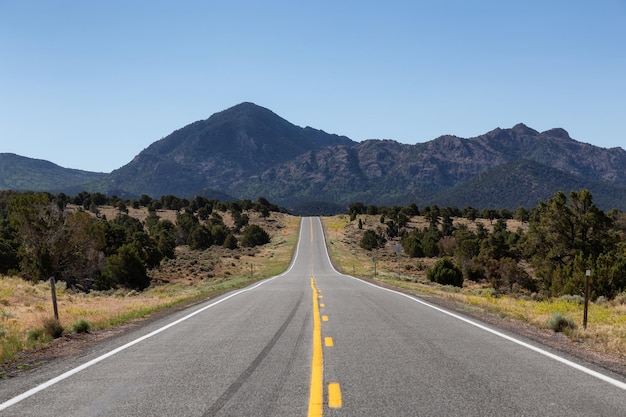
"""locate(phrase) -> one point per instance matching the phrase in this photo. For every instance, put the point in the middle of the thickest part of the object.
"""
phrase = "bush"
(53, 328)
(230, 242)
(82, 326)
(558, 323)
(574, 299)
(125, 269)
(620, 298)
(371, 240)
(254, 235)
(35, 335)
(446, 273)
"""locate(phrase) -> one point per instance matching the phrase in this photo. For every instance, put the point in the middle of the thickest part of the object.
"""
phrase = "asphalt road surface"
(314, 342)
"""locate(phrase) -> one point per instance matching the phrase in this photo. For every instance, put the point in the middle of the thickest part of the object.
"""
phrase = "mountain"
(220, 154)
(248, 151)
(22, 174)
(503, 168)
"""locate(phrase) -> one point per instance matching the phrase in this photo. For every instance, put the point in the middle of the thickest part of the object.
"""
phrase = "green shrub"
(558, 323)
(9, 346)
(231, 242)
(446, 273)
(254, 235)
(35, 335)
(574, 299)
(371, 240)
(125, 269)
(82, 326)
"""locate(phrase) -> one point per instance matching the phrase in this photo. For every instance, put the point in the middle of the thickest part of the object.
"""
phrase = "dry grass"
(606, 330)
(192, 276)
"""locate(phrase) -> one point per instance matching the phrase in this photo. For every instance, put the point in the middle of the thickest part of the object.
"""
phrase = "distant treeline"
(40, 237)
(562, 239)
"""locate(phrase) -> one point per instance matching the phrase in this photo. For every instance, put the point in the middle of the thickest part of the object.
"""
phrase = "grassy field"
(606, 329)
(26, 309)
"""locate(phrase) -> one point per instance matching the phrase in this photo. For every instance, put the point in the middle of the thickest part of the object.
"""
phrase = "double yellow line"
(316, 398)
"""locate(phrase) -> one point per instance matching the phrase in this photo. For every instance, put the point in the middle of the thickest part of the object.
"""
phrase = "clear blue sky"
(89, 84)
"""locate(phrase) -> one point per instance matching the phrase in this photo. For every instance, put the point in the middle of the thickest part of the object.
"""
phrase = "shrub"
(35, 335)
(125, 269)
(446, 273)
(558, 323)
(574, 299)
(254, 235)
(620, 298)
(371, 240)
(53, 328)
(230, 242)
(82, 326)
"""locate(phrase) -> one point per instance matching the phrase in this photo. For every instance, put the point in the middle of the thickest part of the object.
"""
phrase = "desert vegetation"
(525, 264)
(116, 260)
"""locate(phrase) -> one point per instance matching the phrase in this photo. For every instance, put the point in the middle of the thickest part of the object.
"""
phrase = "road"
(313, 342)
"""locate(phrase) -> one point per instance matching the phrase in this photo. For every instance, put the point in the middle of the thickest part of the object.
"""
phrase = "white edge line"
(595, 374)
(92, 362)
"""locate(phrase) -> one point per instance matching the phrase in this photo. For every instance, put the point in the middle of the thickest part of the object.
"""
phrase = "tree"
(53, 243)
(219, 233)
(231, 242)
(412, 245)
(371, 240)
(200, 238)
(9, 246)
(164, 233)
(125, 269)
(39, 223)
(521, 214)
(563, 232)
(446, 273)
(254, 235)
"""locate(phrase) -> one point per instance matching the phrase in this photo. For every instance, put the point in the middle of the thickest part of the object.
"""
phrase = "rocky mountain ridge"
(248, 151)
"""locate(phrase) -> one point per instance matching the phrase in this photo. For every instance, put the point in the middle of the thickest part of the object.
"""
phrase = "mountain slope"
(248, 151)
(525, 183)
(219, 153)
(21, 173)
(447, 168)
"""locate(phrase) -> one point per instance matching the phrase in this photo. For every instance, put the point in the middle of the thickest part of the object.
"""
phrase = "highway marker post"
(53, 289)
(587, 276)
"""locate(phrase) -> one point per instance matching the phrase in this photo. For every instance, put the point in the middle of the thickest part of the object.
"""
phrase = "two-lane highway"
(312, 342)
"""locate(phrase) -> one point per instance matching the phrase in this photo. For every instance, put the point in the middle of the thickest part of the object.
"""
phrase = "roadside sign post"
(587, 275)
(374, 262)
(54, 298)
(398, 250)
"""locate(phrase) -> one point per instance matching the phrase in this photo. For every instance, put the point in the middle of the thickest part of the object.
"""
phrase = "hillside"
(27, 174)
(248, 151)
(219, 154)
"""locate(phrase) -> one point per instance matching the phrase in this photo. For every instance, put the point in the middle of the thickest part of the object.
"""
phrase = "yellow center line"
(328, 342)
(334, 395)
(316, 396)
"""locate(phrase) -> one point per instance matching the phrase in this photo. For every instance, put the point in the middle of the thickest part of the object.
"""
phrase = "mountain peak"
(557, 133)
(522, 129)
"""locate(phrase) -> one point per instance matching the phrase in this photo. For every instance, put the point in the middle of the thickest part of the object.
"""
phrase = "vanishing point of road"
(314, 342)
